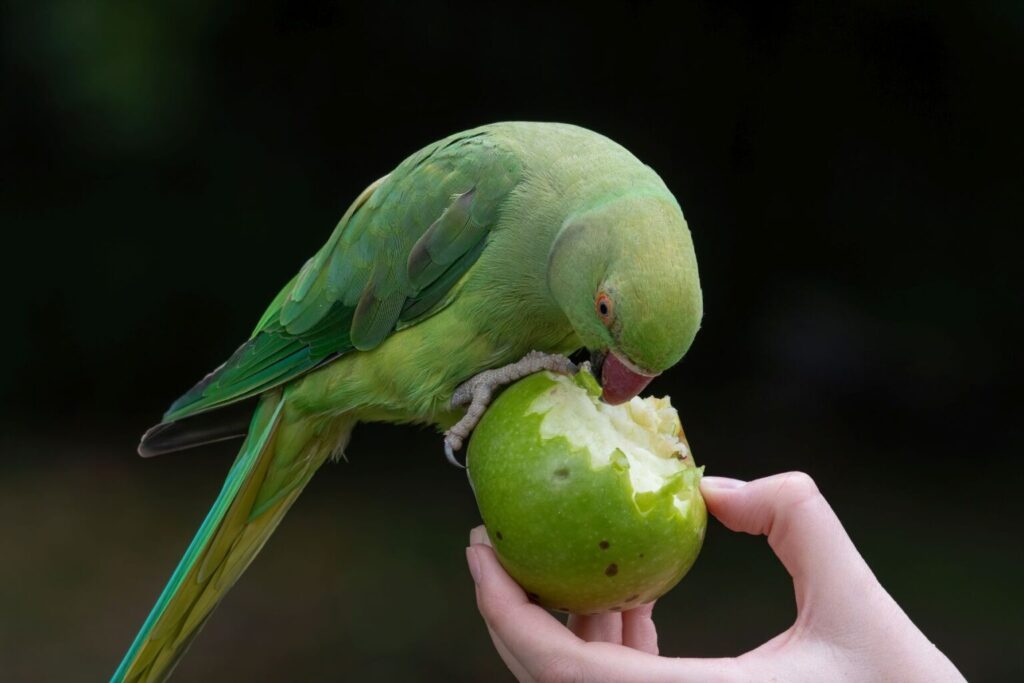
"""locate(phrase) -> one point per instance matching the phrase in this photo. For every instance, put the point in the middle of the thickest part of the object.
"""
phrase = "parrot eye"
(604, 308)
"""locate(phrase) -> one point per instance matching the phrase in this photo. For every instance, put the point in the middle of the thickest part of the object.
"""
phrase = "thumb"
(801, 528)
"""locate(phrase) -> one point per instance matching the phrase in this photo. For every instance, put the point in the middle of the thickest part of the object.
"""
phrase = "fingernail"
(721, 483)
(478, 536)
(474, 564)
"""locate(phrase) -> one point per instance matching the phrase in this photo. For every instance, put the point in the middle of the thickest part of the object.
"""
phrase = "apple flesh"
(590, 507)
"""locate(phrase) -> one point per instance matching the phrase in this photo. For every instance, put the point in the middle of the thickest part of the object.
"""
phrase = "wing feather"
(397, 252)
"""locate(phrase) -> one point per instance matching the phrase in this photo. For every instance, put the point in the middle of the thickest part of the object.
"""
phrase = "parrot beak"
(621, 380)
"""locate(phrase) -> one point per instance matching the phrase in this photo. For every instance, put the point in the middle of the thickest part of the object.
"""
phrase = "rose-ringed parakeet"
(480, 258)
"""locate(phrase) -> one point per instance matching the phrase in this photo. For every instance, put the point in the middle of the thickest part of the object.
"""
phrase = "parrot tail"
(275, 462)
(229, 422)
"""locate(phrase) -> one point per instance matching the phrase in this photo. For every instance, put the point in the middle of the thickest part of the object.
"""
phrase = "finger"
(604, 662)
(532, 636)
(478, 536)
(513, 664)
(638, 631)
(605, 628)
(600, 627)
(547, 650)
(801, 528)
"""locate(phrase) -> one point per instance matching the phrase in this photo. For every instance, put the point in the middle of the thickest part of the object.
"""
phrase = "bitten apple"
(590, 507)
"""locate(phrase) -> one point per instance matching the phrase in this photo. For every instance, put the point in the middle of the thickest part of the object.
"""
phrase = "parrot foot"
(479, 389)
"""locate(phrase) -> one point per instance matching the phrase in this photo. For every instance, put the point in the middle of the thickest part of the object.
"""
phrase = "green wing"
(391, 261)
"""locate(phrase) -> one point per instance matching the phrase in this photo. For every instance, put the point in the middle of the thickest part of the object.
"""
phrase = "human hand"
(847, 628)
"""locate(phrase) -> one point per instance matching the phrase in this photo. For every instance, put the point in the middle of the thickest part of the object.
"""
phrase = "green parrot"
(481, 258)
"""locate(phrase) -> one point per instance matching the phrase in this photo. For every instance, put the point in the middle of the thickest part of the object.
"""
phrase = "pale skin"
(848, 628)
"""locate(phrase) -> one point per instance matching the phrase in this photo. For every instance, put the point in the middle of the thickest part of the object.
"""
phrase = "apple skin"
(575, 536)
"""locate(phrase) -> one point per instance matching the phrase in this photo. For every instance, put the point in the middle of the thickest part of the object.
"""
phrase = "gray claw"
(449, 453)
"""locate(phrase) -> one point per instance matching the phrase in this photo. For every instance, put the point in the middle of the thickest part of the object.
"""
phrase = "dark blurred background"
(853, 179)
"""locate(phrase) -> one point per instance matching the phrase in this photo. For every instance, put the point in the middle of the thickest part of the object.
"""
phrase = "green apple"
(590, 507)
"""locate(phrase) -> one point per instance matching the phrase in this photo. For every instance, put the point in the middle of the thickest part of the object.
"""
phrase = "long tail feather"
(276, 461)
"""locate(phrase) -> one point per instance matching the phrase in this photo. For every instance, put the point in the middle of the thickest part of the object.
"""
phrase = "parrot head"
(625, 275)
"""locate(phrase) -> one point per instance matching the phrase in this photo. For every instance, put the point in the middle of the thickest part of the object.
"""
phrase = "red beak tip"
(620, 382)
